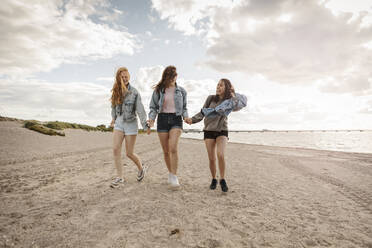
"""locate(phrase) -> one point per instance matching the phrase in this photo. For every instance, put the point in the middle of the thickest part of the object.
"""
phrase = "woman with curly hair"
(126, 104)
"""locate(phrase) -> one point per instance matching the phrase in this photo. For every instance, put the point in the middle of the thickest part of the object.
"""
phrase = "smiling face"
(220, 90)
(125, 76)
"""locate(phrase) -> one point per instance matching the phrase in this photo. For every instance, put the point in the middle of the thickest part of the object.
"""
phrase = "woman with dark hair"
(214, 112)
(169, 103)
(126, 104)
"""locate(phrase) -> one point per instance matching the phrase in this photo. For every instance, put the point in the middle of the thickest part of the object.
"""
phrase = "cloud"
(289, 42)
(188, 16)
(40, 36)
(81, 102)
(355, 84)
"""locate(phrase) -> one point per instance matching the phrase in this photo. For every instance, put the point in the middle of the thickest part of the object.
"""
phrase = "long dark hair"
(169, 74)
(229, 89)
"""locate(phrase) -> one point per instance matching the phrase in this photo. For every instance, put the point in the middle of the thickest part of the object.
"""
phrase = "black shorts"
(167, 121)
(215, 134)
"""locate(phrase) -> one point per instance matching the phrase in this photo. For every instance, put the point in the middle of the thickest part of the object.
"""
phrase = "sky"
(301, 64)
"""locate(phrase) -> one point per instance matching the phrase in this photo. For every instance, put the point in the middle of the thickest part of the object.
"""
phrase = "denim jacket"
(233, 104)
(131, 105)
(180, 102)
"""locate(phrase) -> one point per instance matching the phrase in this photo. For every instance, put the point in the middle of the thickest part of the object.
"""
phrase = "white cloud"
(80, 102)
(290, 42)
(187, 16)
(41, 35)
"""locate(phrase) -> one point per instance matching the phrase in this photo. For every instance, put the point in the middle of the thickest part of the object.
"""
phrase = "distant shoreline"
(4, 118)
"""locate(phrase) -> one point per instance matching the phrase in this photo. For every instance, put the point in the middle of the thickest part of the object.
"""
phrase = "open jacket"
(180, 102)
(131, 105)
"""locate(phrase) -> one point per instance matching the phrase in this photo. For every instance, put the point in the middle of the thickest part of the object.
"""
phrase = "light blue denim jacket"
(131, 105)
(180, 102)
(227, 106)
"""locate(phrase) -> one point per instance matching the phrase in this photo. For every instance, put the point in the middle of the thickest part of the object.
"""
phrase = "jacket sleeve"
(185, 112)
(199, 116)
(240, 101)
(141, 111)
(113, 112)
(154, 105)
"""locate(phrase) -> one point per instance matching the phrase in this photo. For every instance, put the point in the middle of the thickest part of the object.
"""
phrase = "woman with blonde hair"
(126, 104)
(169, 103)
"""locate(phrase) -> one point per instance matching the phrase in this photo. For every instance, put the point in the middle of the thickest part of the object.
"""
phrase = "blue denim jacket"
(180, 102)
(224, 108)
(131, 105)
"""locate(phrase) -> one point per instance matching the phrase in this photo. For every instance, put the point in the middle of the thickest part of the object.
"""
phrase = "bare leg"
(130, 141)
(221, 142)
(210, 144)
(118, 137)
(163, 137)
(174, 137)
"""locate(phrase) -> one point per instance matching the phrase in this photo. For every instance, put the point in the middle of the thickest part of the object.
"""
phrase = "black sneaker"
(213, 184)
(223, 185)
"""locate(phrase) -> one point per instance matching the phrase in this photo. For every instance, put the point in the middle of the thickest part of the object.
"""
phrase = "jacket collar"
(129, 86)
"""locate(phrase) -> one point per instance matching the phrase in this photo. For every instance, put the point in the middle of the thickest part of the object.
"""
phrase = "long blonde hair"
(119, 89)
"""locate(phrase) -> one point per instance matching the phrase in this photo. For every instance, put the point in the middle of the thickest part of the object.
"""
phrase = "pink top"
(168, 104)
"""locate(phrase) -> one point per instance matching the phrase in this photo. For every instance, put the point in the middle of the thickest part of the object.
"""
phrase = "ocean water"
(347, 141)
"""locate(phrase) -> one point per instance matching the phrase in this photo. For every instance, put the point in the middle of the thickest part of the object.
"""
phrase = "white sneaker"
(116, 183)
(141, 173)
(174, 181)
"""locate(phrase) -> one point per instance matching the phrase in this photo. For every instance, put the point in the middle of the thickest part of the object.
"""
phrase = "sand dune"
(55, 193)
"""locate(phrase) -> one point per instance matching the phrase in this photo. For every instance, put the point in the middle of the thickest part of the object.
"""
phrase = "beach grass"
(55, 127)
(41, 128)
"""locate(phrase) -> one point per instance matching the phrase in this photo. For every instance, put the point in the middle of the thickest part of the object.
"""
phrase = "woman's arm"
(113, 116)
(199, 116)
(154, 105)
(141, 111)
(185, 112)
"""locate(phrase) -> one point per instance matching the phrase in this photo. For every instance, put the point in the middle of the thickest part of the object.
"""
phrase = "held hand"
(188, 121)
(150, 122)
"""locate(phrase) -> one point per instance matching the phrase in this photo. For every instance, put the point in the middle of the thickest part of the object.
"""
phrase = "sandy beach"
(55, 193)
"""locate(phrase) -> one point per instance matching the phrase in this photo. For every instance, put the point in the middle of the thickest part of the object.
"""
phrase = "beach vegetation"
(55, 127)
(38, 127)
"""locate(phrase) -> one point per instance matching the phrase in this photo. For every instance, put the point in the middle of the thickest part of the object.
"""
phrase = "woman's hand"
(150, 122)
(112, 123)
(188, 120)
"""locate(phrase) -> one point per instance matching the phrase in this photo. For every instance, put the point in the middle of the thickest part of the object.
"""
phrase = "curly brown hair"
(229, 90)
(169, 73)
(119, 89)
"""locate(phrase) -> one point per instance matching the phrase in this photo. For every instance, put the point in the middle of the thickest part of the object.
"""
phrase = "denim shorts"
(167, 121)
(128, 128)
(215, 134)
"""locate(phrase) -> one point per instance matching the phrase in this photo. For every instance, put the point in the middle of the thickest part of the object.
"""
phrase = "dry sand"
(55, 193)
